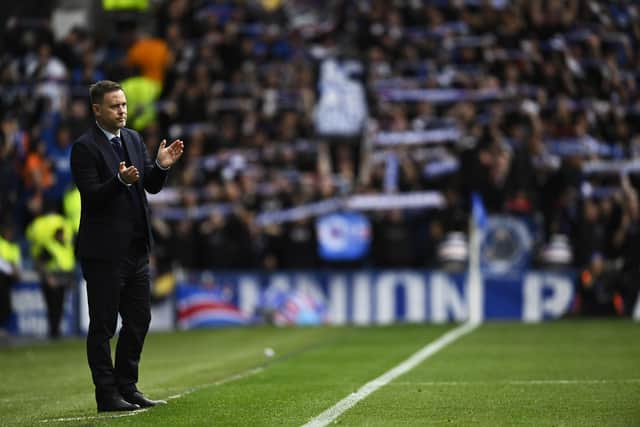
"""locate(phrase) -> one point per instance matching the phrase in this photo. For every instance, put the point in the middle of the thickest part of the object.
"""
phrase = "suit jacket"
(106, 227)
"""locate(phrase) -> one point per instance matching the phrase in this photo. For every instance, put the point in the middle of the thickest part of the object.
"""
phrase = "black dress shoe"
(139, 399)
(116, 403)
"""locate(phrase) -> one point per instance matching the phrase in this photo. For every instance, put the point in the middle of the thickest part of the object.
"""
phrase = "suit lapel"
(134, 158)
(130, 146)
(109, 155)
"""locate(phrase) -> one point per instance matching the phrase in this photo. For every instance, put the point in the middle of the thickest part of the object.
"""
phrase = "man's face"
(111, 113)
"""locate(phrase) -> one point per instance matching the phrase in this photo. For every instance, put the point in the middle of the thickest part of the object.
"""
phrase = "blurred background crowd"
(534, 105)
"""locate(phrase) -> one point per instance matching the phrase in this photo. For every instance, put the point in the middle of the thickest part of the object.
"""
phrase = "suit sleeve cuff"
(160, 167)
(122, 181)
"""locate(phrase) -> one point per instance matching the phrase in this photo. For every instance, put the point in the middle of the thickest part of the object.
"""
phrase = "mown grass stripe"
(240, 376)
(420, 356)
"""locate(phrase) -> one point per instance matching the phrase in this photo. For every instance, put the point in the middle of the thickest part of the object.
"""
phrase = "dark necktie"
(117, 146)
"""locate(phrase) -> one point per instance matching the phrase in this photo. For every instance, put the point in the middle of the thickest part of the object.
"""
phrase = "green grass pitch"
(564, 373)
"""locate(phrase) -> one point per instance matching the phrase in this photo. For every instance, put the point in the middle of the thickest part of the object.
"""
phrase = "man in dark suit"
(112, 170)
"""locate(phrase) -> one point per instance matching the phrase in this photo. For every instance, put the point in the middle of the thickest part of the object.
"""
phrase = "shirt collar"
(108, 134)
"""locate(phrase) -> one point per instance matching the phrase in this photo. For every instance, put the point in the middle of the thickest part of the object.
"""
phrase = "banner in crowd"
(342, 107)
(199, 305)
(343, 236)
(209, 299)
(366, 298)
(506, 247)
(29, 317)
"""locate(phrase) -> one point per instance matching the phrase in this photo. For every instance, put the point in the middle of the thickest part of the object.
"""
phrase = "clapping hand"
(128, 174)
(168, 155)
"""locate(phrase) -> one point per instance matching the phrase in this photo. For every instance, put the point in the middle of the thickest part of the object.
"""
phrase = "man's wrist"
(123, 181)
(162, 167)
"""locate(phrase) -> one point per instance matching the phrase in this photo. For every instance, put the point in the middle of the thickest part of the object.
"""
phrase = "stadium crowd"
(535, 105)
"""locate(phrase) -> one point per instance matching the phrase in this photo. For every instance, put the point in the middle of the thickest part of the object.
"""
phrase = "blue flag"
(478, 211)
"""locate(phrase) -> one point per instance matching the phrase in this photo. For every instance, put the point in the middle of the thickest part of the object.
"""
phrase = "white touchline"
(232, 378)
(420, 356)
(95, 417)
(572, 382)
(517, 382)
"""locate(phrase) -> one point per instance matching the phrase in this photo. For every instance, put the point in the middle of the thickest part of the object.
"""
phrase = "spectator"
(38, 178)
(300, 246)
(59, 155)
(151, 56)
(49, 75)
(9, 175)
(10, 263)
(596, 291)
(51, 244)
(392, 241)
